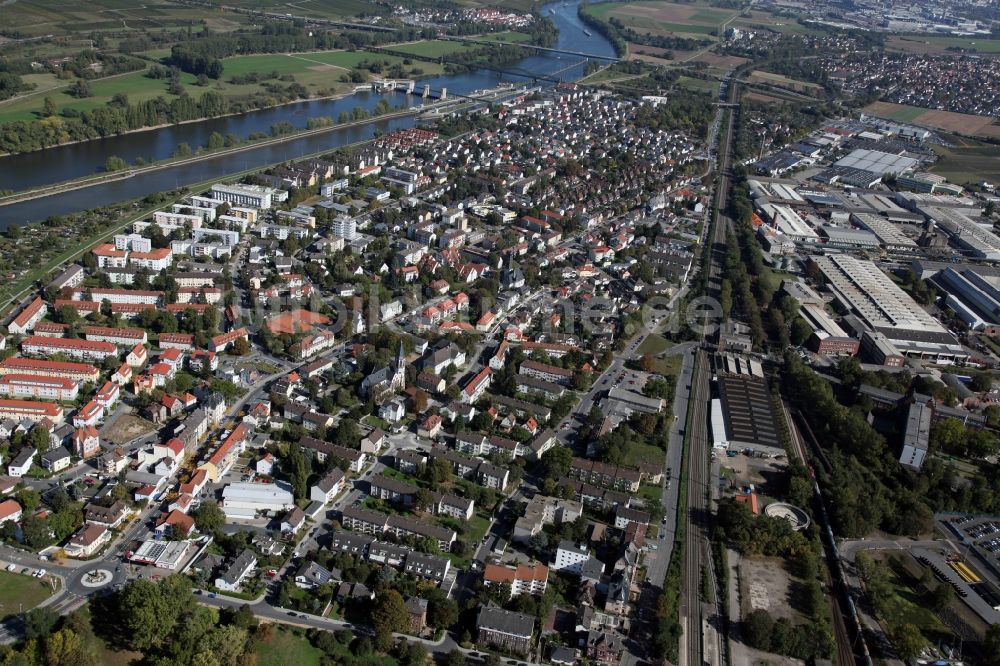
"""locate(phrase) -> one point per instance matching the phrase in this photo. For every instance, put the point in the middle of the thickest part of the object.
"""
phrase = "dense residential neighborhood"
(676, 344)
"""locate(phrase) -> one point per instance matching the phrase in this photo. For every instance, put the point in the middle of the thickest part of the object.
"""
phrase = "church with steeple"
(387, 379)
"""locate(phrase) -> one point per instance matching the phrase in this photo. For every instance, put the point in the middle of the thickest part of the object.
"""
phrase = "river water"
(20, 172)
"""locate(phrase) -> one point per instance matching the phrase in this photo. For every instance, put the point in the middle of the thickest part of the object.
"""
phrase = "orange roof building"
(525, 579)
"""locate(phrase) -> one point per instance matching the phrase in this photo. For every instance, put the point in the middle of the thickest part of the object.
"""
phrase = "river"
(64, 163)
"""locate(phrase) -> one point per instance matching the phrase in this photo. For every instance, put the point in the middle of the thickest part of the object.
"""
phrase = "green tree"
(65, 648)
(416, 655)
(29, 498)
(241, 347)
(49, 107)
(439, 471)
(457, 658)
(39, 622)
(225, 646)
(388, 616)
(215, 141)
(442, 611)
(991, 644)
(757, 629)
(907, 639)
(37, 533)
(209, 518)
(556, 462)
(114, 163)
(143, 615)
(80, 89)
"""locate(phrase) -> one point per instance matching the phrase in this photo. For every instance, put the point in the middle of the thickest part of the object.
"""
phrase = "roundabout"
(96, 578)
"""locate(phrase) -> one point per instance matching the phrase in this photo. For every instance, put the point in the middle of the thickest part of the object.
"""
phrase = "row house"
(209, 295)
(75, 348)
(38, 386)
(32, 410)
(355, 460)
(523, 579)
(546, 372)
(123, 337)
(121, 296)
(604, 475)
(182, 341)
(477, 386)
(376, 522)
(222, 342)
(26, 319)
(363, 546)
(77, 372)
(313, 344)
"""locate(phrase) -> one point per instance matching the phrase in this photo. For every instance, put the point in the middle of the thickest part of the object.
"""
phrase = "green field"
(668, 367)
(969, 163)
(766, 20)
(654, 344)
(285, 647)
(20, 593)
(508, 36)
(939, 43)
(698, 85)
(433, 49)
(637, 453)
(685, 20)
(289, 646)
(904, 114)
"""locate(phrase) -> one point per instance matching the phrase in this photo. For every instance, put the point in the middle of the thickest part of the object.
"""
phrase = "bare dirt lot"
(721, 61)
(758, 76)
(766, 584)
(127, 428)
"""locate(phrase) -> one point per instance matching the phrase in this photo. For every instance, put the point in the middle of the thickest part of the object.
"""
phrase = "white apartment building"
(253, 196)
(570, 558)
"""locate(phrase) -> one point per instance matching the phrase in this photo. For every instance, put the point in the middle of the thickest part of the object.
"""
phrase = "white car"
(40, 573)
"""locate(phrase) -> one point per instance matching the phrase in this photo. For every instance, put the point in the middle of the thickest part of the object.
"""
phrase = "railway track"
(696, 543)
(697, 550)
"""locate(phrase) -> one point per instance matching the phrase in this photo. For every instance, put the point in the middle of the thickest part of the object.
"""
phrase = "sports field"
(945, 120)
(666, 18)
